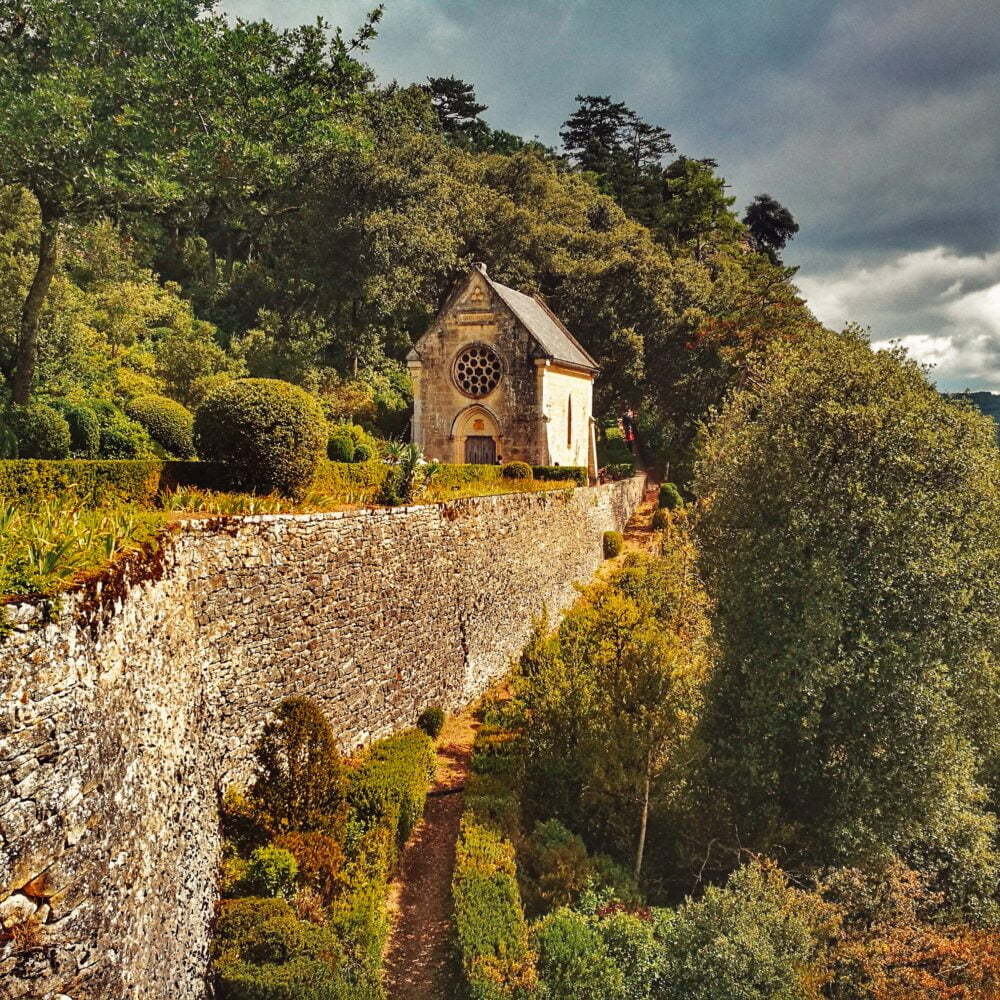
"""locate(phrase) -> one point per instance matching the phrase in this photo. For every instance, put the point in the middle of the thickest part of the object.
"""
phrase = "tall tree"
(771, 226)
(850, 544)
(457, 109)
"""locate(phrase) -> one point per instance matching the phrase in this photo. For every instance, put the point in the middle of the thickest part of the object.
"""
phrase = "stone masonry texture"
(124, 715)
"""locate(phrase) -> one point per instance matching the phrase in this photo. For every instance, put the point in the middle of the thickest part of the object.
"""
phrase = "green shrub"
(40, 430)
(301, 782)
(349, 443)
(492, 934)
(84, 429)
(8, 440)
(271, 871)
(557, 473)
(320, 861)
(262, 951)
(661, 519)
(431, 721)
(555, 867)
(573, 960)
(614, 543)
(203, 387)
(516, 470)
(168, 423)
(389, 786)
(273, 433)
(623, 470)
(670, 496)
(121, 437)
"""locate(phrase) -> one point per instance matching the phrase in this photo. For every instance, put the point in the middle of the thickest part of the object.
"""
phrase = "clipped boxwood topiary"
(121, 437)
(169, 424)
(340, 446)
(670, 496)
(41, 431)
(84, 431)
(271, 433)
(431, 721)
(516, 470)
(614, 543)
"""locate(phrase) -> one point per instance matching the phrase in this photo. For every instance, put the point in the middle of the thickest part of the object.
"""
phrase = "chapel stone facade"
(498, 378)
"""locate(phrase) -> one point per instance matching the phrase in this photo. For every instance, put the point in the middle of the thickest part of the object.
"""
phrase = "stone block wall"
(127, 709)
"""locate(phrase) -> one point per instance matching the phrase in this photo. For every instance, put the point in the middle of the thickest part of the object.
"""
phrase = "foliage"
(516, 470)
(670, 497)
(607, 705)
(431, 721)
(614, 544)
(40, 431)
(319, 859)
(408, 475)
(615, 473)
(560, 473)
(756, 938)
(349, 443)
(660, 519)
(770, 225)
(573, 961)
(271, 432)
(389, 786)
(168, 423)
(271, 872)
(45, 547)
(301, 784)
(262, 951)
(855, 610)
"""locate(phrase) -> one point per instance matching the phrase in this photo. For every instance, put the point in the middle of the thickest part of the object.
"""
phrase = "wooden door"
(480, 451)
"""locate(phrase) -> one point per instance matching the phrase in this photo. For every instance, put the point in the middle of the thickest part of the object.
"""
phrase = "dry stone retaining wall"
(124, 716)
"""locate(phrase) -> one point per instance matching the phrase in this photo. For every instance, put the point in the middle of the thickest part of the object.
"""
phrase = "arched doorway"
(476, 437)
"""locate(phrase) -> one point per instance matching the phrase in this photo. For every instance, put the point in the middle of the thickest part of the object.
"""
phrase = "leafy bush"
(431, 721)
(301, 783)
(40, 430)
(623, 470)
(492, 934)
(661, 519)
(573, 960)
(555, 867)
(320, 861)
(271, 871)
(8, 441)
(756, 938)
(121, 437)
(349, 443)
(389, 786)
(614, 543)
(168, 423)
(84, 429)
(516, 470)
(572, 473)
(273, 433)
(670, 496)
(262, 951)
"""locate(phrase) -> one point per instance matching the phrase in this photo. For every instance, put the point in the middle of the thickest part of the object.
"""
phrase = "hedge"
(557, 473)
(389, 787)
(497, 960)
(104, 483)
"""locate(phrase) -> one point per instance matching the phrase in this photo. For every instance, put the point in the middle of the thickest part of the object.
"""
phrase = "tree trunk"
(640, 850)
(31, 311)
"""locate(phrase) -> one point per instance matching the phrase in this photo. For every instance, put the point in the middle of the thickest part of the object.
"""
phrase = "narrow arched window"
(569, 422)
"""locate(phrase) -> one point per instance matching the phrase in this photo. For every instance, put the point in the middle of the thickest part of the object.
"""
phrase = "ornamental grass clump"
(272, 433)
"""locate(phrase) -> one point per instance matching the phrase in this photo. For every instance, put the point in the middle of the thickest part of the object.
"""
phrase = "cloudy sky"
(877, 122)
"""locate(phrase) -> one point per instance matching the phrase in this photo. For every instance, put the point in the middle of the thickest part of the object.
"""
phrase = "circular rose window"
(477, 370)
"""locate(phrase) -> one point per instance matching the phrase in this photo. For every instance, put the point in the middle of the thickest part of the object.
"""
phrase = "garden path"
(420, 960)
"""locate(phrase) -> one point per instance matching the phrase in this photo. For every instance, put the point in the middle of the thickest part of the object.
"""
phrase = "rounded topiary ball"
(340, 446)
(169, 424)
(516, 470)
(271, 433)
(670, 496)
(41, 431)
(614, 543)
(661, 519)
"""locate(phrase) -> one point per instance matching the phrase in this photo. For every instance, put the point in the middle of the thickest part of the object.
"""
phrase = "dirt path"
(419, 961)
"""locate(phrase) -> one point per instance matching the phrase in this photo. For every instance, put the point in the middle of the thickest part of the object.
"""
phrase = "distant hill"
(988, 403)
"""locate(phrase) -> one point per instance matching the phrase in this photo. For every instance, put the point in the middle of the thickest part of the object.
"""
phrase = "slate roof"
(543, 324)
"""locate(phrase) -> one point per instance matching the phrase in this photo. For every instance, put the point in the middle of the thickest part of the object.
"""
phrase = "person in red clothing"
(628, 428)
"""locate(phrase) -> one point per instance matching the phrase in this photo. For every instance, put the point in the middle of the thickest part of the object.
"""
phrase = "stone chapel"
(498, 378)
